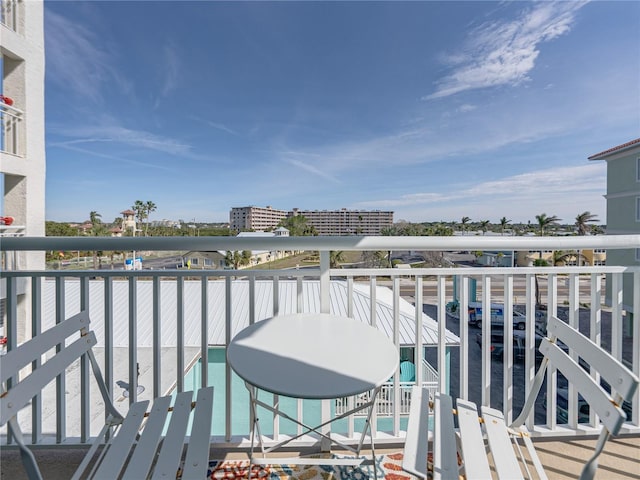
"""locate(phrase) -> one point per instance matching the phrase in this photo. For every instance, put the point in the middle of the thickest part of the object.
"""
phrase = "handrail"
(11, 109)
(355, 243)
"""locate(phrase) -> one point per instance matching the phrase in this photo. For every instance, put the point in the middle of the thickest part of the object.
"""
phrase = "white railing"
(576, 294)
(385, 404)
(429, 375)
(9, 14)
(10, 141)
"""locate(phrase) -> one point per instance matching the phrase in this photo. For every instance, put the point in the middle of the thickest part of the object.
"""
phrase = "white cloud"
(74, 60)
(121, 135)
(71, 147)
(406, 200)
(171, 67)
(538, 190)
(503, 53)
(220, 126)
(311, 169)
(562, 180)
(466, 108)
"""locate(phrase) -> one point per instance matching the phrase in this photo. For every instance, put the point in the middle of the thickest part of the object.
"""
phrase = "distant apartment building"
(623, 208)
(326, 222)
(22, 150)
(347, 222)
(255, 218)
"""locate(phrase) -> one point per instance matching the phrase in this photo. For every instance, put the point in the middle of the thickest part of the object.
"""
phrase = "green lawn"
(302, 260)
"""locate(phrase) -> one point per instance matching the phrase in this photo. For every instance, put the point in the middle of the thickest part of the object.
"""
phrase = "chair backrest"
(623, 382)
(17, 394)
(407, 371)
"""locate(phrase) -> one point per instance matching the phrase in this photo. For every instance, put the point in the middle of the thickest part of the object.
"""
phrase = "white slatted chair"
(505, 442)
(138, 445)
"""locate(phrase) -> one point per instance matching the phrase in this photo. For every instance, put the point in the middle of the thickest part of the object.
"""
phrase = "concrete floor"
(562, 459)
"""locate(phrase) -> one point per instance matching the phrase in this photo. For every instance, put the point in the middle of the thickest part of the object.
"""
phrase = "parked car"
(562, 406)
(497, 316)
(519, 344)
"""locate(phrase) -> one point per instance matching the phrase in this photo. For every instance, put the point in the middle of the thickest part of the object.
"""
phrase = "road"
(430, 290)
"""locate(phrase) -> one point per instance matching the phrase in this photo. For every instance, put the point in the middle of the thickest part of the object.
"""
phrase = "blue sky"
(435, 110)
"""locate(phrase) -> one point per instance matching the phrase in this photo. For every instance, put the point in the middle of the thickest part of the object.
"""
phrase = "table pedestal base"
(369, 406)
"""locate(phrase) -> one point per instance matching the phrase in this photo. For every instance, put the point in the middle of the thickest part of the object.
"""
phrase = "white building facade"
(22, 147)
(347, 222)
(326, 222)
(255, 218)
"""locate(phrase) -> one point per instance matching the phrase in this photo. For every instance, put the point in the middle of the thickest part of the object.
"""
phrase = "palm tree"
(94, 218)
(503, 224)
(484, 226)
(96, 230)
(336, 257)
(464, 222)
(141, 212)
(149, 207)
(583, 220)
(236, 258)
(544, 222)
(561, 257)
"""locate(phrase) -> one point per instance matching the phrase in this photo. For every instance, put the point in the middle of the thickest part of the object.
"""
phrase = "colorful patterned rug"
(389, 467)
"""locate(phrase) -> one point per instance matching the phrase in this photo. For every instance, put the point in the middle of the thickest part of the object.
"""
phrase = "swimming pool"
(311, 409)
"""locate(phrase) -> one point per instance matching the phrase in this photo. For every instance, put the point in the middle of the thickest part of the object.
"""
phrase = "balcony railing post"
(108, 338)
(635, 364)
(325, 282)
(530, 343)
(507, 383)
(463, 314)
(36, 328)
(61, 406)
(418, 356)
(486, 340)
(11, 326)
(85, 396)
(396, 342)
(552, 376)
(204, 331)
(180, 334)
(442, 334)
(616, 315)
(133, 340)
(157, 338)
(325, 307)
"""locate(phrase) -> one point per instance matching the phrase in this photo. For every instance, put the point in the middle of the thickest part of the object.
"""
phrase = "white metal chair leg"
(28, 459)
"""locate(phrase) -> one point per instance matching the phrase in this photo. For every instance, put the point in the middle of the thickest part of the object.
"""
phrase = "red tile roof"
(128, 212)
(600, 155)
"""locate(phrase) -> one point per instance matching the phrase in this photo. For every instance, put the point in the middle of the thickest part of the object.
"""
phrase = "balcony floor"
(562, 459)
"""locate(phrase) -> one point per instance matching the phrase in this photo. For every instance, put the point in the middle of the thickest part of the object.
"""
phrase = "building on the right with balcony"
(623, 208)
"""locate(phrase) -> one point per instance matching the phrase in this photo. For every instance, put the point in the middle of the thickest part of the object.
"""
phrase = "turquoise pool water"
(240, 404)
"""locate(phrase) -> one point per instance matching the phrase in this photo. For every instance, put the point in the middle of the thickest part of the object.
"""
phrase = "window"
(637, 209)
(637, 254)
(638, 169)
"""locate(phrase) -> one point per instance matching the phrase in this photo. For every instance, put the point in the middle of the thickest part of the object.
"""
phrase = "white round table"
(315, 356)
